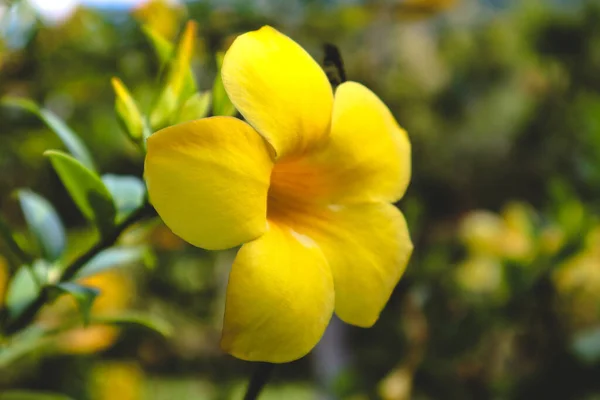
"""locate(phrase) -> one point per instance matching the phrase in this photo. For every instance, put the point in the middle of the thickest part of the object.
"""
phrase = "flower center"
(294, 188)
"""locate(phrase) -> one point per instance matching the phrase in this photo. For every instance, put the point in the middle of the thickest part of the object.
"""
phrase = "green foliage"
(44, 224)
(128, 113)
(127, 192)
(179, 84)
(137, 319)
(24, 287)
(498, 106)
(66, 135)
(113, 257)
(87, 190)
(30, 395)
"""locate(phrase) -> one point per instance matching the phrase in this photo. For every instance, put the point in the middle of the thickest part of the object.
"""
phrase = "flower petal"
(367, 247)
(367, 158)
(279, 298)
(279, 89)
(208, 180)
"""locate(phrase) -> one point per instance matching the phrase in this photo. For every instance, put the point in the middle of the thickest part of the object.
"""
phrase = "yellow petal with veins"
(367, 247)
(279, 89)
(208, 180)
(279, 298)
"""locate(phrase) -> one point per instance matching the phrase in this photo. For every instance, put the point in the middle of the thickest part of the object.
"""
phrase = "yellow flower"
(480, 274)
(122, 377)
(305, 185)
(577, 281)
(482, 231)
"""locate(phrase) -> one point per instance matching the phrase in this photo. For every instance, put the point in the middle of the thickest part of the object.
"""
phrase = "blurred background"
(501, 100)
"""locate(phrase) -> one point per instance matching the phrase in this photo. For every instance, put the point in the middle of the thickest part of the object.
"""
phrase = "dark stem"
(258, 380)
(69, 273)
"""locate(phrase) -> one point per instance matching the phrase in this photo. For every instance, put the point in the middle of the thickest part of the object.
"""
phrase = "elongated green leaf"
(31, 395)
(127, 191)
(87, 190)
(148, 321)
(66, 135)
(84, 295)
(221, 103)
(196, 107)
(128, 113)
(24, 287)
(179, 85)
(44, 224)
(113, 257)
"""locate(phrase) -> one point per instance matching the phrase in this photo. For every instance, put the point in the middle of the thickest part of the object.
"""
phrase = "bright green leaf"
(221, 103)
(127, 191)
(128, 113)
(196, 107)
(151, 322)
(71, 141)
(43, 223)
(87, 190)
(24, 287)
(84, 295)
(31, 395)
(113, 257)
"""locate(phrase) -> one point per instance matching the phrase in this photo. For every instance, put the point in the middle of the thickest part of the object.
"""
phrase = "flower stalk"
(259, 379)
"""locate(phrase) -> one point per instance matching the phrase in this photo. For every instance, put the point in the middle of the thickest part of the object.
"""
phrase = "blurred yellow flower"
(578, 281)
(518, 243)
(397, 385)
(110, 378)
(480, 275)
(552, 238)
(116, 293)
(306, 184)
(508, 236)
(3, 279)
(481, 231)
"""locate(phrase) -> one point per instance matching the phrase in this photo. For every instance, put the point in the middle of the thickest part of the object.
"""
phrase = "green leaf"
(148, 321)
(31, 395)
(128, 192)
(180, 83)
(24, 287)
(84, 295)
(221, 103)
(128, 113)
(71, 141)
(196, 107)
(43, 223)
(87, 190)
(113, 257)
